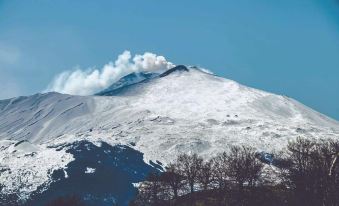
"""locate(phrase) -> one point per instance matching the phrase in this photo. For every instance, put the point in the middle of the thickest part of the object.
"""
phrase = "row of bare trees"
(306, 174)
(189, 175)
(313, 172)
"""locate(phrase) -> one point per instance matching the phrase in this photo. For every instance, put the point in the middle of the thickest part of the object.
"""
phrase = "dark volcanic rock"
(100, 176)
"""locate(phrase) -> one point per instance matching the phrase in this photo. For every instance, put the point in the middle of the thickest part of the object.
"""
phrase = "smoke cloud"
(87, 82)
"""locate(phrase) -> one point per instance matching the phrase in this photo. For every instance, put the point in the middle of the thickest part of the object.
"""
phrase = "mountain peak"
(179, 68)
(127, 80)
(138, 77)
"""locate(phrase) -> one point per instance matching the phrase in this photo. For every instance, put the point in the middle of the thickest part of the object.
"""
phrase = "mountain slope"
(181, 111)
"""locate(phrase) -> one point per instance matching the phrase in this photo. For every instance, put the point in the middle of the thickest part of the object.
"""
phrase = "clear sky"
(289, 47)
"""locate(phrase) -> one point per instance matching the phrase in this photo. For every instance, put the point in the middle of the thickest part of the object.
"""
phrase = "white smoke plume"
(80, 82)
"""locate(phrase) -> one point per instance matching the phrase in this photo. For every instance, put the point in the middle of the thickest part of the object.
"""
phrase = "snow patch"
(89, 170)
(23, 174)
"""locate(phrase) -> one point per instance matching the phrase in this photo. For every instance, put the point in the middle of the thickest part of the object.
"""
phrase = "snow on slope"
(180, 112)
(24, 166)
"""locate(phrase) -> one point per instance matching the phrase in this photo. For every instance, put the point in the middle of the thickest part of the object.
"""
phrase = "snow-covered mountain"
(183, 110)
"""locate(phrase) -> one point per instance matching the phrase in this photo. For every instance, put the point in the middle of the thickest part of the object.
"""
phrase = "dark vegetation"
(308, 174)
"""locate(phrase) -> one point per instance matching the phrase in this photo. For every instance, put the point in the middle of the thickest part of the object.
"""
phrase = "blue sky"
(289, 47)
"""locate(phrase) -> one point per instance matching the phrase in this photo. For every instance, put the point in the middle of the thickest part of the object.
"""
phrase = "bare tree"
(313, 175)
(173, 179)
(242, 166)
(254, 168)
(219, 169)
(243, 169)
(205, 175)
(150, 191)
(188, 167)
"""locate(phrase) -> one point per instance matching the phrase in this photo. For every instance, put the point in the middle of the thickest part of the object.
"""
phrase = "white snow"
(23, 171)
(183, 112)
(89, 170)
(66, 174)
